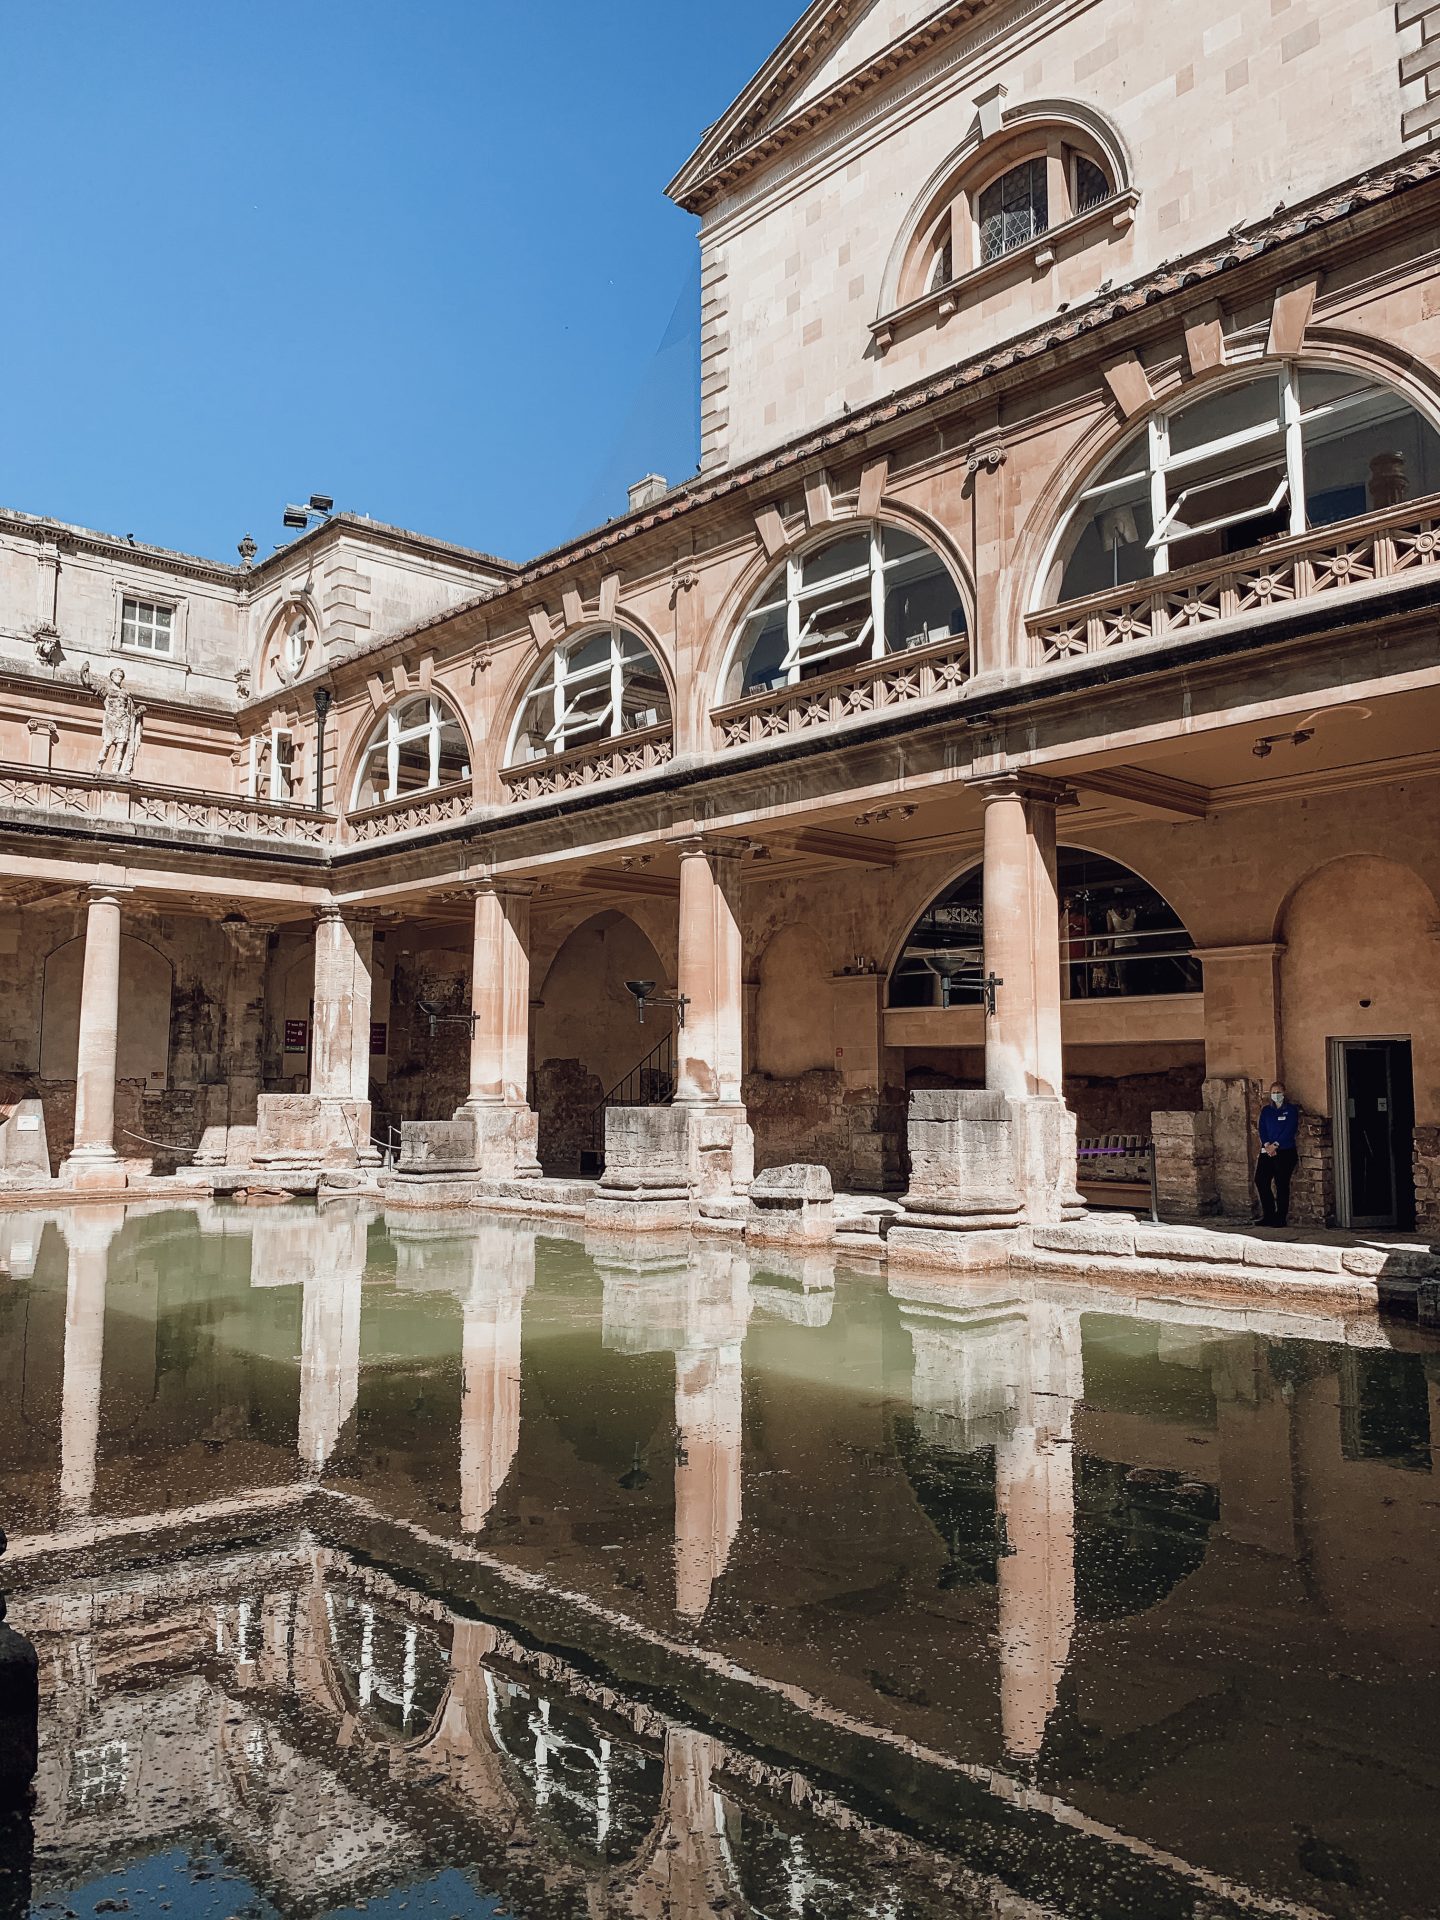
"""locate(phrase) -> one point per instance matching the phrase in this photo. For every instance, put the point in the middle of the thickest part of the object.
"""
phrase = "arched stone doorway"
(588, 1034)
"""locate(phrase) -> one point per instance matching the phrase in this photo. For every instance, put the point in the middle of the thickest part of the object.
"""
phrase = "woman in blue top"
(1279, 1125)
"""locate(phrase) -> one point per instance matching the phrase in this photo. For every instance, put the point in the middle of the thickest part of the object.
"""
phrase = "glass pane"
(1106, 542)
(372, 786)
(1366, 457)
(921, 603)
(846, 555)
(1091, 184)
(643, 700)
(836, 627)
(897, 544)
(454, 761)
(537, 717)
(761, 667)
(413, 714)
(1323, 386)
(1234, 410)
(594, 652)
(414, 765)
(1013, 209)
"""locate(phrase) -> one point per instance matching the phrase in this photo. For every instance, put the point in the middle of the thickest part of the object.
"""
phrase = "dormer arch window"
(1026, 199)
(861, 593)
(415, 746)
(597, 687)
(1032, 185)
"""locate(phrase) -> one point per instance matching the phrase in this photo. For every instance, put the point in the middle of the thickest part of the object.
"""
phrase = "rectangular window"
(146, 626)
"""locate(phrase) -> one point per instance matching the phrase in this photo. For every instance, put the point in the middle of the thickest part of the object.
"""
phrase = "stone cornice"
(740, 141)
(244, 581)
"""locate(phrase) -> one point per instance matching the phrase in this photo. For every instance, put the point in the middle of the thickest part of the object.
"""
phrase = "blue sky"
(415, 256)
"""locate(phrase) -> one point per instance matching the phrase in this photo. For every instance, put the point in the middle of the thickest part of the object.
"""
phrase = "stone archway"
(587, 1033)
(146, 983)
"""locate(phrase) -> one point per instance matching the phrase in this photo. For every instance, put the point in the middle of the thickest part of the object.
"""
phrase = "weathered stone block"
(496, 1141)
(305, 1129)
(1116, 1237)
(791, 1203)
(1293, 1256)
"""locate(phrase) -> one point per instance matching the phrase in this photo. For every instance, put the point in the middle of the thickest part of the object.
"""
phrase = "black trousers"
(1273, 1174)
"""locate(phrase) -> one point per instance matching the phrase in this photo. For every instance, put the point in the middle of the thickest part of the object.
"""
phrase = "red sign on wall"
(297, 1035)
(377, 1036)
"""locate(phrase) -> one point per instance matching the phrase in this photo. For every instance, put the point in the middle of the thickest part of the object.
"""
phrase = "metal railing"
(649, 1083)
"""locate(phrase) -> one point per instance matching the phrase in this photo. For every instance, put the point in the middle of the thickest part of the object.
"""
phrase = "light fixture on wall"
(436, 1017)
(949, 968)
(646, 996)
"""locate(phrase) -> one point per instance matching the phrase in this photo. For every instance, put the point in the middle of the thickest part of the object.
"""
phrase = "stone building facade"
(1031, 704)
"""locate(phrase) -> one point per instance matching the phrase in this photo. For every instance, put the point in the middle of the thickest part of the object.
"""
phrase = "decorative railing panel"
(1305, 567)
(636, 752)
(83, 796)
(892, 680)
(432, 807)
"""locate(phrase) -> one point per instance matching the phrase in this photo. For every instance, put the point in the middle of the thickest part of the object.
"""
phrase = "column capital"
(98, 892)
(712, 845)
(1022, 786)
(332, 911)
(35, 724)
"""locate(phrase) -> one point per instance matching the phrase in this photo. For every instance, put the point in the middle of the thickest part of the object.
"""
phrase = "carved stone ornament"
(48, 650)
(987, 457)
(121, 726)
(242, 682)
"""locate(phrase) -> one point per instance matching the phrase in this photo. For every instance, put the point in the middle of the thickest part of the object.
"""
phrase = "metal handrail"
(656, 1069)
(1147, 1147)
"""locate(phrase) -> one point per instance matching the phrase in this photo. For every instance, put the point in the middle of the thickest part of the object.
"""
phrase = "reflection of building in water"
(88, 1233)
(994, 1372)
(324, 1253)
(695, 1303)
(490, 1268)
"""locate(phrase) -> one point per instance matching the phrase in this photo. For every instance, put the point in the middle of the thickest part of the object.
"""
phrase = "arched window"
(994, 206)
(590, 689)
(859, 595)
(1297, 447)
(416, 745)
(1118, 936)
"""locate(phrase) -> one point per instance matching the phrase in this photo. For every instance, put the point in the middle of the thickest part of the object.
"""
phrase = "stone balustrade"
(867, 687)
(1369, 548)
(431, 807)
(89, 796)
(637, 752)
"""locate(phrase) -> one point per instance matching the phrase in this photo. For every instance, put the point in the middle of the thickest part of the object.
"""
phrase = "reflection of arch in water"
(593, 1792)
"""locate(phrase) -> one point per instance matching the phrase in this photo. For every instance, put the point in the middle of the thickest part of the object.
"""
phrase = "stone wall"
(1126, 1104)
(1426, 1163)
(858, 1133)
(566, 1096)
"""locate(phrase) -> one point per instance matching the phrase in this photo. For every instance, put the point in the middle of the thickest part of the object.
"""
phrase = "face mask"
(1277, 1099)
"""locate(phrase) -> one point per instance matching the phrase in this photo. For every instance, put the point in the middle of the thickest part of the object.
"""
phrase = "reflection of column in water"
(504, 1269)
(708, 1385)
(88, 1235)
(1035, 1495)
(683, 1870)
(332, 1289)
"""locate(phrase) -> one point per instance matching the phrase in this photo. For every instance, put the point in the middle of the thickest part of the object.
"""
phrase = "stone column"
(243, 1058)
(93, 1162)
(659, 1161)
(710, 973)
(43, 736)
(504, 1130)
(1022, 938)
(1242, 1058)
(1004, 1158)
(340, 1041)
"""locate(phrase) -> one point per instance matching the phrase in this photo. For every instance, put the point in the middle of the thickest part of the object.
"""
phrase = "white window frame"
(1286, 428)
(566, 689)
(151, 607)
(868, 643)
(392, 736)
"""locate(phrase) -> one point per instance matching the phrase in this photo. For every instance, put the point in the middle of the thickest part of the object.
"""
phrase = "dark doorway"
(1374, 1108)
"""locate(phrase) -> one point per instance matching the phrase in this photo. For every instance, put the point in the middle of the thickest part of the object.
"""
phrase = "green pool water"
(431, 1564)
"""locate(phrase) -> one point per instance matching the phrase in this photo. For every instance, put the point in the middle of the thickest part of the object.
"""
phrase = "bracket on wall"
(431, 1013)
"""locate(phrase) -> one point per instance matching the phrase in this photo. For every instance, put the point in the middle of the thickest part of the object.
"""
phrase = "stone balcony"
(430, 807)
(637, 752)
(1365, 551)
(894, 679)
(80, 797)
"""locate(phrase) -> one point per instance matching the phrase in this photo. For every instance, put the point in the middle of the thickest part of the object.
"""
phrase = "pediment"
(834, 51)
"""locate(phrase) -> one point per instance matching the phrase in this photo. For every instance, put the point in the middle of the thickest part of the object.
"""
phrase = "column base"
(311, 1130)
(660, 1162)
(985, 1162)
(91, 1171)
(486, 1138)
